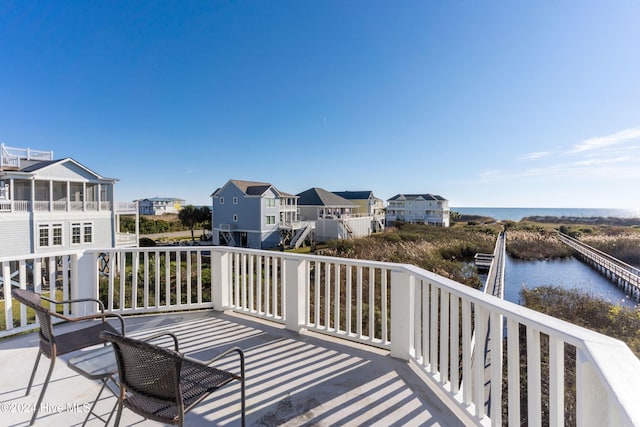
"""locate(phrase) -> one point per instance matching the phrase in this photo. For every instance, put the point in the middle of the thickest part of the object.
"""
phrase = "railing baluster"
(534, 378)
(433, 328)
(327, 296)
(145, 279)
(336, 299)
(454, 344)
(359, 301)
(267, 287)
(259, 271)
(513, 371)
(419, 324)
(372, 304)
(157, 265)
(385, 306)
(188, 272)
(423, 291)
(348, 300)
(444, 336)
(479, 350)
(167, 278)
(251, 283)
(556, 382)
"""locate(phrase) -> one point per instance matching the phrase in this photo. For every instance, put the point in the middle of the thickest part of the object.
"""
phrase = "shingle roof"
(416, 196)
(36, 166)
(354, 195)
(319, 197)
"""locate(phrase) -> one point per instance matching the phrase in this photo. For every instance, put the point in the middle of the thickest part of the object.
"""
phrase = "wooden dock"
(620, 273)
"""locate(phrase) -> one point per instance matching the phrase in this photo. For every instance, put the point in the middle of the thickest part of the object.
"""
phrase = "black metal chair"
(162, 384)
(53, 345)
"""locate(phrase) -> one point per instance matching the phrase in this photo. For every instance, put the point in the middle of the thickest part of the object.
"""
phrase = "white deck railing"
(417, 315)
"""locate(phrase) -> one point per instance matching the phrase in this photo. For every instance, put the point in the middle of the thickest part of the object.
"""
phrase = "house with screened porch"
(49, 205)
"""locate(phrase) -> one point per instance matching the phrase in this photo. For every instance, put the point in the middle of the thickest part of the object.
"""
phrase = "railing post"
(402, 314)
(591, 401)
(220, 279)
(295, 293)
(84, 282)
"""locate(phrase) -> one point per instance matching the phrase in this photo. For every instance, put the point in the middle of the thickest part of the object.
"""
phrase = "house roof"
(319, 197)
(38, 166)
(161, 199)
(355, 195)
(416, 196)
(252, 188)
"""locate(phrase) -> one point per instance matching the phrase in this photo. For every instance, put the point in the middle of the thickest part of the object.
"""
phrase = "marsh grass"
(448, 251)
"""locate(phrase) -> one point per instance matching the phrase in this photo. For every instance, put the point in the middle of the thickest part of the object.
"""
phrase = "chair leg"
(119, 414)
(44, 389)
(33, 373)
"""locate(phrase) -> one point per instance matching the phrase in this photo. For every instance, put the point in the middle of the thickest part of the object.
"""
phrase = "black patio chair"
(52, 344)
(161, 384)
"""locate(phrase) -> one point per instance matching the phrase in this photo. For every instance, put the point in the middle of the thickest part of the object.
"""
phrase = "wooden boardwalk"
(620, 273)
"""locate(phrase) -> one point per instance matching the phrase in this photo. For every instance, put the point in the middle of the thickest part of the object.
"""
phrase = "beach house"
(48, 205)
(159, 205)
(251, 214)
(418, 208)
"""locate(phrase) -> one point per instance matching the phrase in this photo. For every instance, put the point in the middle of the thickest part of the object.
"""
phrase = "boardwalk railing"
(418, 316)
(624, 274)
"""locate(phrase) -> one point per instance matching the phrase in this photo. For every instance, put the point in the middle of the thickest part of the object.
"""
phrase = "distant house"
(159, 205)
(49, 205)
(252, 214)
(418, 208)
(369, 205)
(335, 217)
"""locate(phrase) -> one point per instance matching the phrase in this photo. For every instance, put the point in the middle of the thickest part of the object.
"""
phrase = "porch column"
(220, 280)
(402, 314)
(295, 296)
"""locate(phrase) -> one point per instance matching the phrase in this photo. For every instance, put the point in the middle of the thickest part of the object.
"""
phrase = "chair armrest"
(102, 316)
(69, 301)
(162, 334)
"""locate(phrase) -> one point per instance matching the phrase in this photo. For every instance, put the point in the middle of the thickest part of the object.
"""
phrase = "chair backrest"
(147, 369)
(32, 300)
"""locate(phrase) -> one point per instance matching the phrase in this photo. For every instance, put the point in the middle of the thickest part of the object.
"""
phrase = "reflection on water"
(566, 273)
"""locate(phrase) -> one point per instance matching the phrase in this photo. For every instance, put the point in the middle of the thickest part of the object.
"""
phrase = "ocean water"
(516, 214)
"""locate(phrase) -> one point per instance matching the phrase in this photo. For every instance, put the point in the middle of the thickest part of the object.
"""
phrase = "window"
(271, 203)
(271, 219)
(49, 235)
(235, 200)
(222, 200)
(235, 218)
(81, 233)
(57, 234)
(76, 237)
(44, 235)
(88, 233)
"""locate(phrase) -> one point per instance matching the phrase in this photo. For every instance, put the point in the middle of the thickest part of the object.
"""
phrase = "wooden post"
(402, 314)
(220, 280)
(296, 294)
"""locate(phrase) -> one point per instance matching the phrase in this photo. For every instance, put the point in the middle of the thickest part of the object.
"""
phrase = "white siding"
(16, 235)
(66, 171)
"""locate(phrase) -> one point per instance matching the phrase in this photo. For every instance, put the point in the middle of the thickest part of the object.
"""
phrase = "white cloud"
(536, 155)
(604, 141)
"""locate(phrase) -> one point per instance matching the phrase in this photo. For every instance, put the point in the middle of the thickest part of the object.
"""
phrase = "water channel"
(567, 273)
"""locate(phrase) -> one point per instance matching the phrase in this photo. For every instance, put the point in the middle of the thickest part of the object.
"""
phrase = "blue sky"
(487, 103)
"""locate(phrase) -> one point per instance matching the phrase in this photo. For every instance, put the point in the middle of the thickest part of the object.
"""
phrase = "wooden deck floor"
(292, 379)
